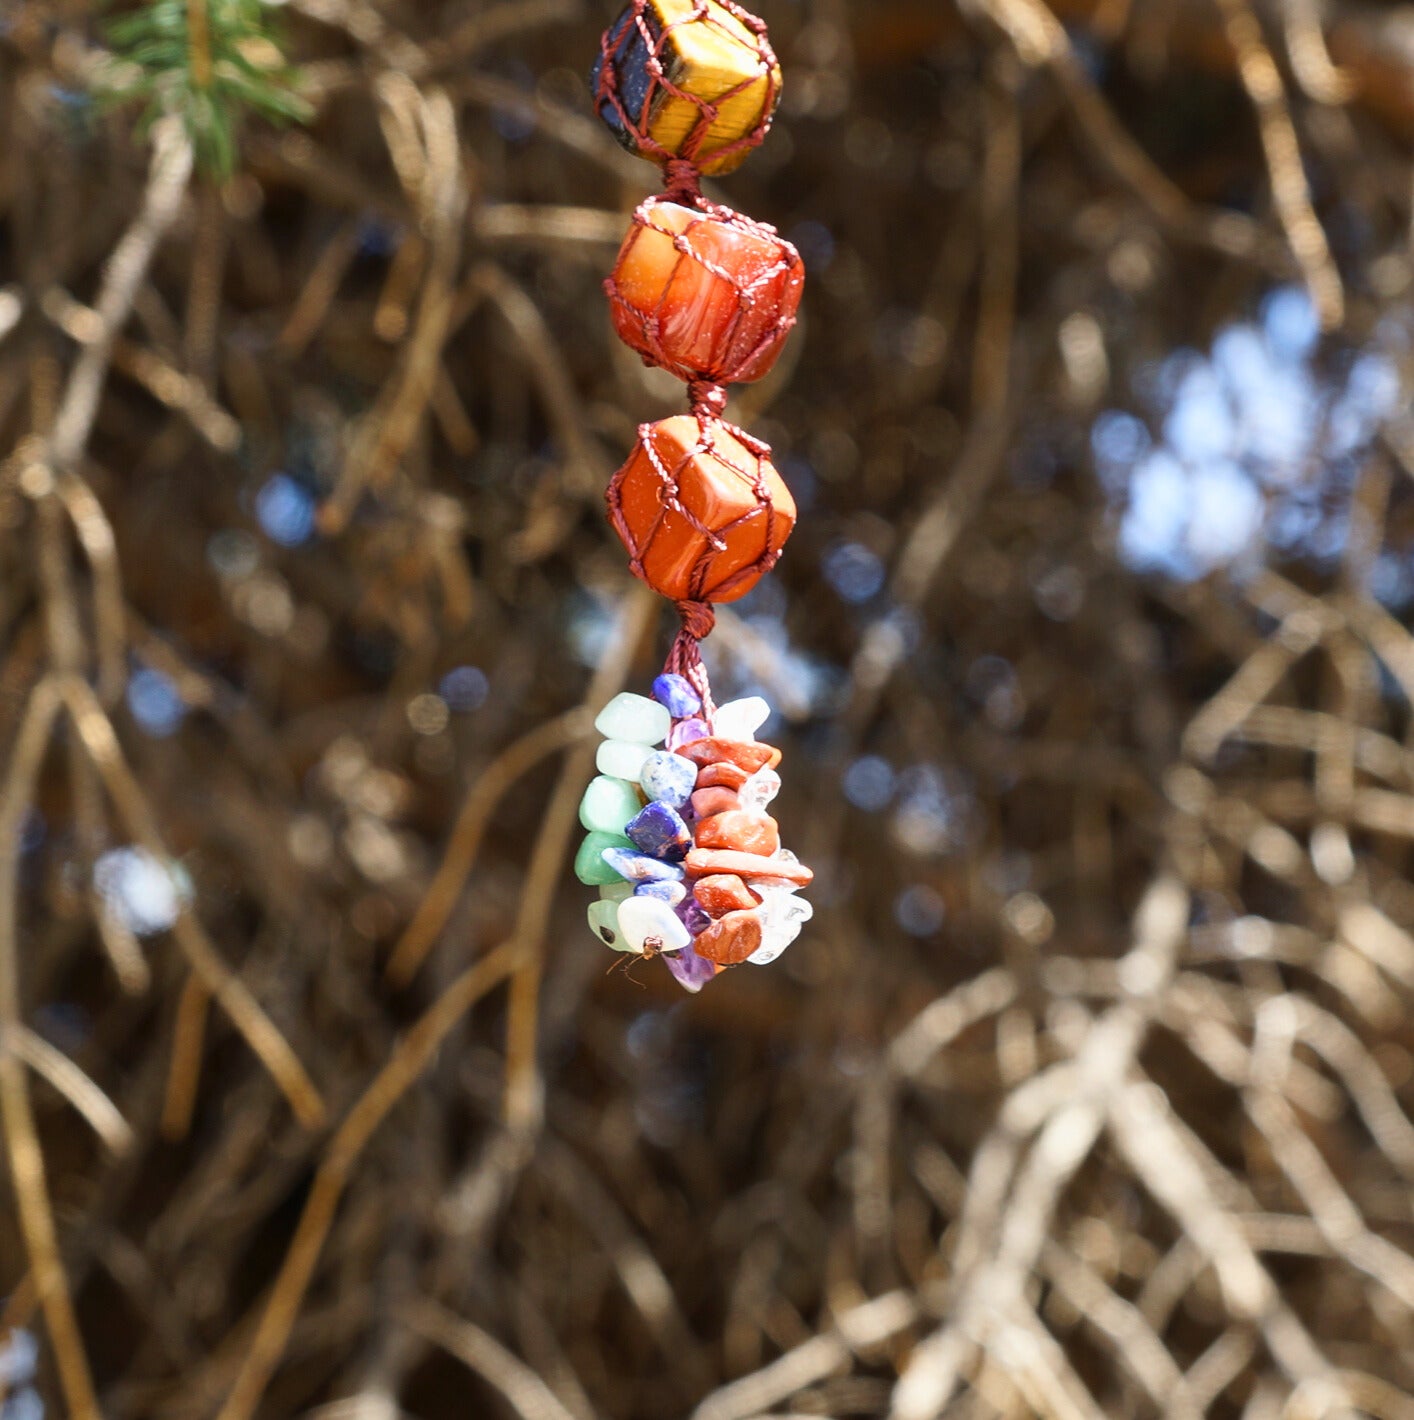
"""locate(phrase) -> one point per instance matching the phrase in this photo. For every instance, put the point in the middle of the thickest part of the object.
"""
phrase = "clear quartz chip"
(739, 720)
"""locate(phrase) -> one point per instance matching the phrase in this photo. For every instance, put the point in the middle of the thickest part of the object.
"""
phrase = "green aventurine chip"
(589, 865)
(608, 804)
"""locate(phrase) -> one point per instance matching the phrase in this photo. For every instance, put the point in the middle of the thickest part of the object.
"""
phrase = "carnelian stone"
(703, 862)
(725, 776)
(700, 509)
(750, 833)
(716, 800)
(731, 939)
(749, 755)
(723, 893)
(705, 298)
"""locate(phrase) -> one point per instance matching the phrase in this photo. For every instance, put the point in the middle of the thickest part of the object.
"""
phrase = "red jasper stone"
(748, 755)
(725, 776)
(717, 800)
(750, 833)
(700, 509)
(707, 298)
(723, 893)
(731, 939)
(703, 862)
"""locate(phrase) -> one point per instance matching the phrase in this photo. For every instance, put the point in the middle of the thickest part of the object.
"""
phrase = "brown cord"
(685, 657)
(707, 400)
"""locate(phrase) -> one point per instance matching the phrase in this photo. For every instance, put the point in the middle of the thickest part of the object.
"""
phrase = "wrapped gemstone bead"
(700, 509)
(706, 298)
(687, 78)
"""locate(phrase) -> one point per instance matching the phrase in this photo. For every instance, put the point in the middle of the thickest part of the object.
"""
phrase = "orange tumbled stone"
(704, 862)
(731, 939)
(715, 800)
(705, 298)
(723, 776)
(749, 833)
(723, 893)
(700, 509)
(749, 755)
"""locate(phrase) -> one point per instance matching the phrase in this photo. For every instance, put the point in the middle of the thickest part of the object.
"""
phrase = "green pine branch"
(210, 61)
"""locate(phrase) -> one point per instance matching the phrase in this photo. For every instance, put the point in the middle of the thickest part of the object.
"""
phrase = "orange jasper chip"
(723, 893)
(703, 862)
(726, 776)
(716, 800)
(751, 833)
(731, 939)
(748, 756)
(702, 515)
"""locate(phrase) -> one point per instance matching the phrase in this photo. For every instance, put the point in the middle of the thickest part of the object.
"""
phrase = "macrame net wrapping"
(679, 466)
(636, 74)
(707, 296)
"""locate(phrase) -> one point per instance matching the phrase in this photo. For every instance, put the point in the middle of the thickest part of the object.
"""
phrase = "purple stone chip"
(692, 971)
(659, 831)
(686, 731)
(676, 693)
(694, 916)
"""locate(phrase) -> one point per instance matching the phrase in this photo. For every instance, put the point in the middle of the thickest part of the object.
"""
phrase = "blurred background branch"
(1087, 1092)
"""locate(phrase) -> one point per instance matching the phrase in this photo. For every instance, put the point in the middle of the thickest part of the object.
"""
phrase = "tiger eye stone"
(748, 833)
(730, 939)
(702, 515)
(705, 298)
(726, 86)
